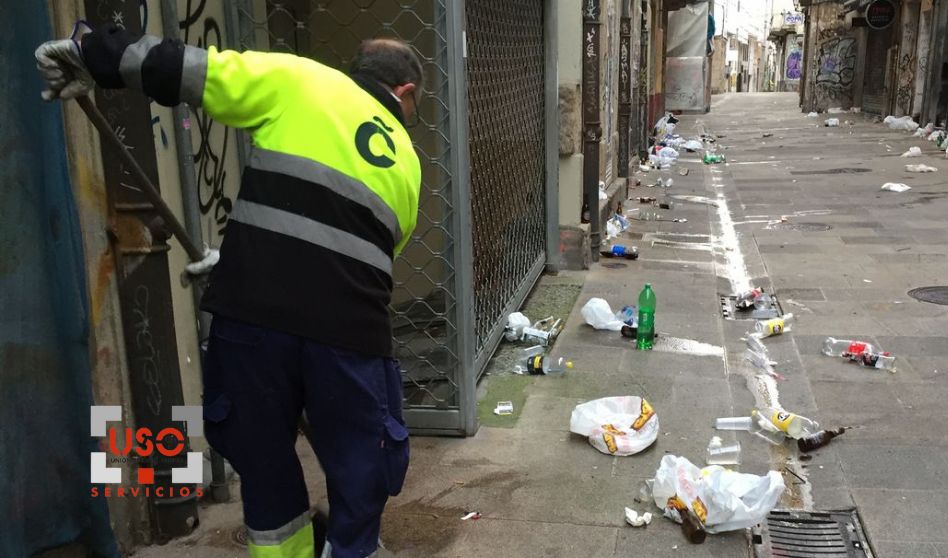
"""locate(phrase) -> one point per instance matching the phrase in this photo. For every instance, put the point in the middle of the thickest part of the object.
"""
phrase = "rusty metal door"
(877, 74)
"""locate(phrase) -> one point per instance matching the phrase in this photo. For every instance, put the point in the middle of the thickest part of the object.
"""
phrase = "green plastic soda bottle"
(646, 332)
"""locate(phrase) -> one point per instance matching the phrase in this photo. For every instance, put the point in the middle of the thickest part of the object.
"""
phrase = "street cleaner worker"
(300, 295)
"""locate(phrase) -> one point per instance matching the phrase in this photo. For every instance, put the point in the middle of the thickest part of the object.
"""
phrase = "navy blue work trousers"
(258, 381)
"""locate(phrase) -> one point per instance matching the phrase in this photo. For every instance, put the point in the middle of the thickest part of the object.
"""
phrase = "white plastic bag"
(616, 425)
(913, 152)
(896, 187)
(920, 168)
(597, 313)
(515, 324)
(724, 500)
(832, 122)
(693, 145)
(903, 123)
(812, 115)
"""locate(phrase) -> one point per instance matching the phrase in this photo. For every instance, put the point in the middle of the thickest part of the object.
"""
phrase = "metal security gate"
(506, 78)
(479, 242)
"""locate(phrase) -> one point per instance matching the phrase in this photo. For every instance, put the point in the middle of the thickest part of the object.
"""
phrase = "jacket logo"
(364, 136)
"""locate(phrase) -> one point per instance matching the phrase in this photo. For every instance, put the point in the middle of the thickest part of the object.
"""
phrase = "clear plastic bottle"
(548, 366)
(719, 454)
(790, 424)
(628, 315)
(775, 326)
(865, 354)
(747, 298)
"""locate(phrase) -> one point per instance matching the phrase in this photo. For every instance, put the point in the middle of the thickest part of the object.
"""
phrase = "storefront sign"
(793, 19)
(880, 14)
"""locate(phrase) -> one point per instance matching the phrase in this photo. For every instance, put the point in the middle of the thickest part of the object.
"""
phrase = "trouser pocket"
(395, 448)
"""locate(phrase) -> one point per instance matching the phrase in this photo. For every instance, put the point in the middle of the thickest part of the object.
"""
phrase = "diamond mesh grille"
(423, 302)
(506, 96)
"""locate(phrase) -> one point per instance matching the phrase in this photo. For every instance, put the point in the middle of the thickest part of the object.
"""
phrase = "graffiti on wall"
(836, 63)
(212, 141)
(795, 65)
(905, 89)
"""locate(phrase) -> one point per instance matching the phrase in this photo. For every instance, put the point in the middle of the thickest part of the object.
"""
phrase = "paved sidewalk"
(544, 492)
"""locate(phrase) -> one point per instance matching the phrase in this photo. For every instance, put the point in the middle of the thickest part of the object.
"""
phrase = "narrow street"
(542, 491)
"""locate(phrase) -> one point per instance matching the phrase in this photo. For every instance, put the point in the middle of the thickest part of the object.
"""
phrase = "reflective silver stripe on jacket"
(314, 232)
(338, 182)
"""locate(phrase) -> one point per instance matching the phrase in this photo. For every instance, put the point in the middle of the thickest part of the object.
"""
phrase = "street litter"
(818, 440)
(920, 168)
(734, 423)
(515, 324)
(616, 425)
(903, 123)
(896, 187)
(831, 123)
(693, 145)
(645, 168)
(504, 408)
(602, 191)
(619, 251)
(539, 365)
(683, 172)
(471, 515)
(722, 500)
(747, 424)
(913, 152)
(646, 199)
(719, 454)
(836, 110)
(633, 518)
(768, 134)
(663, 157)
(780, 421)
(543, 332)
(761, 360)
(630, 322)
(747, 299)
(616, 225)
(775, 326)
(712, 158)
(866, 354)
(599, 315)
(666, 125)
(924, 132)
(813, 115)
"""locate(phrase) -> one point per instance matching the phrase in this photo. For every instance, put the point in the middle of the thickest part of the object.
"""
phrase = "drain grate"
(804, 227)
(615, 265)
(934, 295)
(800, 534)
(850, 170)
(239, 535)
(730, 311)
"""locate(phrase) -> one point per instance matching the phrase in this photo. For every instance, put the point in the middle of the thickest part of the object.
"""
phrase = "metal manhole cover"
(803, 227)
(800, 534)
(934, 295)
(849, 170)
(615, 265)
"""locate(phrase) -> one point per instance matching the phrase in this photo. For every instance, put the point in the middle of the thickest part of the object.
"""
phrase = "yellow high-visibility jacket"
(329, 196)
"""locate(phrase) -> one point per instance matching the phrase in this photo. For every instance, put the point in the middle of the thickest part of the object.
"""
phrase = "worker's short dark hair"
(389, 61)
